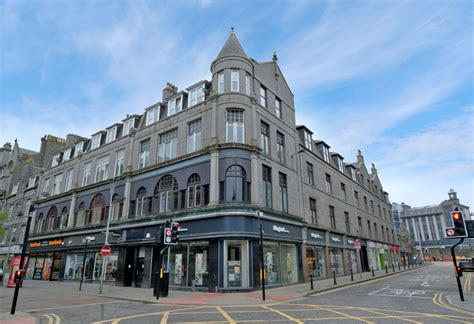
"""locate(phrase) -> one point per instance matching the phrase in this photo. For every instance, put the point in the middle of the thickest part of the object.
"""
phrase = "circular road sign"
(106, 250)
(357, 244)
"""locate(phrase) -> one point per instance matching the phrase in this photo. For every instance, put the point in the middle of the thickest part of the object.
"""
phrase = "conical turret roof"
(232, 47)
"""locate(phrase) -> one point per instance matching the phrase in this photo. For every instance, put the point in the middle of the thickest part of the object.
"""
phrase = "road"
(418, 296)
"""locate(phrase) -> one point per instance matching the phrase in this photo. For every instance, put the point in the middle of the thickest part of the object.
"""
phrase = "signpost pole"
(461, 295)
(262, 271)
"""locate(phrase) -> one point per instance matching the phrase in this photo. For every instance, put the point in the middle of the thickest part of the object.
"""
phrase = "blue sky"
(392, 78)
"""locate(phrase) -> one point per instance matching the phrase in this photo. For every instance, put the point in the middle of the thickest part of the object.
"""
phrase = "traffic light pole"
(22, 261)
(262, 267)
(458, 280)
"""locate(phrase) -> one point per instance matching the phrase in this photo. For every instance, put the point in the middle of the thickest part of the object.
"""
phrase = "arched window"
(39, 224)
(140, 204)
(81, 215)
(166, 194)
(52, 219)
(235, 184)
(117, 207)
(194, 191)
(97, 210)
(63, 218)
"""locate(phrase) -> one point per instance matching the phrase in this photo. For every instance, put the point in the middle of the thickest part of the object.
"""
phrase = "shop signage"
(381, 251)
(316, 236)
(335, 239)
(280, 229)
(357, 244)
(55, 242)
(12, 249)
(397, 249)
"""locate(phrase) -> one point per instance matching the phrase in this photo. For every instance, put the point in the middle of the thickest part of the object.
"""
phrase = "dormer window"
(78, 148)
(32, 181)
(353, 174)
(96, 141)
(175, 106)
(15, 188)
(152, 115)
(56, 160)
(111, 134)
(196, 96)
(234, 80)
(308, 141)
(326, 154)
(340, 165)
(67, 154)
(127, 126)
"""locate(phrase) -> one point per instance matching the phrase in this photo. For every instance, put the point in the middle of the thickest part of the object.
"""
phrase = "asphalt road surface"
(413, 297)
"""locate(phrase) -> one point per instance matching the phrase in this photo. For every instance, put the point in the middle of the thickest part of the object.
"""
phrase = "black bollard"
(404, 266)
(399, 266)
(373, 273)
(334, 275)
(352, 275)
(386, 269)
(311, 281)
(393, 267)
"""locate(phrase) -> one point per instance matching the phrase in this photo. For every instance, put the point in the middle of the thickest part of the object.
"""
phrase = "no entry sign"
(106, 250)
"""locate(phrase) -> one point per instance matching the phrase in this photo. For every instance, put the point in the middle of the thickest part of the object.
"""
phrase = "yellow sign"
(264, 273)
(35, 244)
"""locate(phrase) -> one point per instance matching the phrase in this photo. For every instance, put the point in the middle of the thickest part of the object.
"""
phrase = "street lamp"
(87, 239)
(359, 257)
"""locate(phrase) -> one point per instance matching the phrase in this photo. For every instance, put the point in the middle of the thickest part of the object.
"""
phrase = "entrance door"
(236, 265)
(139, 266)
(128, 271)
(363, 258)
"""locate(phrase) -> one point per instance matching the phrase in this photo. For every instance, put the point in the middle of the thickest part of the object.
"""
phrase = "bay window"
(235, 126)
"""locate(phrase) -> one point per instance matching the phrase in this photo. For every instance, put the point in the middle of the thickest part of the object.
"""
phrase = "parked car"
(467, 264)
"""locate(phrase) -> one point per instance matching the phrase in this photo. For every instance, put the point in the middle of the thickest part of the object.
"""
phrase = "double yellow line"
(438, 300)
(53, 318)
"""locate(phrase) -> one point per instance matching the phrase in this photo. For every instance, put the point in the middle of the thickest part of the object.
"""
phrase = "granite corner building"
(221, 157)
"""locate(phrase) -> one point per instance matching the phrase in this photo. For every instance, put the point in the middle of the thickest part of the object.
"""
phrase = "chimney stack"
(168, 91)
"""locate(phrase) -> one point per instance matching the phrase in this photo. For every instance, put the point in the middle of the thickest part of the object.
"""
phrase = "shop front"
(381, 256)
(336, 260)
(45, 259)
(351, 255)
(315, 261)
(372, 255)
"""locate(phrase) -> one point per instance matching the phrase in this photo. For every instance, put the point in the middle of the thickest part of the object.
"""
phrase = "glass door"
(236, 264)
(140, 267)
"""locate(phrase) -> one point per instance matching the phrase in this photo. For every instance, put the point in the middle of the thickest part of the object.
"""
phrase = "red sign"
(14, 268)
(106, 250)
(397, 249)
(357, 244)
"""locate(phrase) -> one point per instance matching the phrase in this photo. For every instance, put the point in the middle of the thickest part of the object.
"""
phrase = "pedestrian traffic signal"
(458, 271)
(175, 233)
(459, 225)
(18, 276)
(167, 236)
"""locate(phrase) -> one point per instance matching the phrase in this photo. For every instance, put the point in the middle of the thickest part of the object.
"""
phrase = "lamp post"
(6, 271)
(357, 226)
(106, 242)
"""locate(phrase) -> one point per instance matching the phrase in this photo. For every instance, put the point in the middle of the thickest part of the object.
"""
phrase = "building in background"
(427, 227)
(222, 157)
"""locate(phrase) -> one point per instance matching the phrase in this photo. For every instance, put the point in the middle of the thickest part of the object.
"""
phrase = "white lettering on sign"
(280, 229)
(316, 236)
(350, 241)
(335, 239)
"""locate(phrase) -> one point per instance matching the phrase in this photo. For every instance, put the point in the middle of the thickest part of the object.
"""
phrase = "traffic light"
(175, 233)
(459, 225)
(18, 276)
(458, 271)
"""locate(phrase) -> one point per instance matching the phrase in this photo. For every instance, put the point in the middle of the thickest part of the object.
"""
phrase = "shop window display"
(315, 262)
(272, 262)
(351, 260)
(337, 265)
(236, 264)
(289, 263)
(178, 265)
(30, 269)
(198, 271)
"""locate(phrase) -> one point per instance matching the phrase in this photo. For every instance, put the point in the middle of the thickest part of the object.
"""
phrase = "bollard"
(404, 266)
(334, 275)
(399, 266)
(311, 281)
(386, 269)
(352, 275)
(393, 267)
(373, 273)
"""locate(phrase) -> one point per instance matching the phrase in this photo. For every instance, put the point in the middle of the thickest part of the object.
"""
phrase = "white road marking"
(425, 284)
(75, 306)
(373, 293)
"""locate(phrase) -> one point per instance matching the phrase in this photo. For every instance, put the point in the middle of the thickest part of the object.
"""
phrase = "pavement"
(51, 300)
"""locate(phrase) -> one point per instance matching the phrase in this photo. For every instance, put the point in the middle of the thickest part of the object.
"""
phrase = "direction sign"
(106, 249)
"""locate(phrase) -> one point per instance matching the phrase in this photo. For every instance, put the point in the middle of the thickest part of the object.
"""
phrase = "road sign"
(357, 244)
(106, 249)
(450, 232)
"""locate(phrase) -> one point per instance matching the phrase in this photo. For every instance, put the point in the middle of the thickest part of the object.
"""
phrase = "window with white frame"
(111, 134)
(248, 81)
(69, 179)
(127, 126)
(15, 188)
(194, 136)
(46, 186)
(263, 96)
(96, 141)
(283, 192)
(144, 154)
(67, 154)
(308, 140)
(278, 108)
(194, 191)
(119, 162)
(326, 153)
(86, 175)
(174, 106)
(281, 147)
(78, 148)
(32, 181)
(56, 159)
(140, 204)
(265, 138)
(152, 115)
(234, 80)
(57, 184)
(101, 168)
(340, 165)
(328, 184)
(353, 174)
(267, 186)
(167, 145)
(196, 95)
(235, 126)
(310, 173)
(220, 82)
